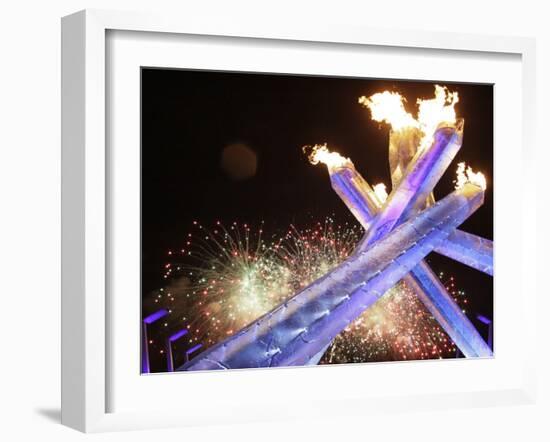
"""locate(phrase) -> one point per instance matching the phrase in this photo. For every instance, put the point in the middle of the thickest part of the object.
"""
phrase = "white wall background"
(30, 214)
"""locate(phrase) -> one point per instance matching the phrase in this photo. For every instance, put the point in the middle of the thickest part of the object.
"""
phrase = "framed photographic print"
(285, 218)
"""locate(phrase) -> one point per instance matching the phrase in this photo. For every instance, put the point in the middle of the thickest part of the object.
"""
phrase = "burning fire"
(380, 192)
(467, 175)
(389, 107)
(441, 109)
(321, 154)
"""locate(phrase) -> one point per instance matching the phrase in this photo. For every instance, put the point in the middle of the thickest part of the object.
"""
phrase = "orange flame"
(321, 154)
(389, 107)
(467, 175)
(380, 192)
(432, 113)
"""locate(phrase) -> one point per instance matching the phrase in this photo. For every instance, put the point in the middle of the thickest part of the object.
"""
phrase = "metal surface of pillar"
(468, 249)
(421, 176)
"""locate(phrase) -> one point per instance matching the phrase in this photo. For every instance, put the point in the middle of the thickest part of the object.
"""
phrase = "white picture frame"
(86, 356)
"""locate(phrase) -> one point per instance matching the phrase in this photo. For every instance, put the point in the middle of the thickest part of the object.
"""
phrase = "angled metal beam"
(422, 174)
(468, 249)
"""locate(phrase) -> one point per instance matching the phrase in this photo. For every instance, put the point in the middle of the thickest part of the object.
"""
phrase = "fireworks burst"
(397, 327)
(226, 277)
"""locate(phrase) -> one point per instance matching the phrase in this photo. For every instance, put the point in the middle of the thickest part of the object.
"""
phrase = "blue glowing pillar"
(192, 350)
(448, 314)
(301, 327)
(317, 358)
(145, 367)
(169, 352)
(422, 174)
(471, 250)
(489, 324)
(356, 193)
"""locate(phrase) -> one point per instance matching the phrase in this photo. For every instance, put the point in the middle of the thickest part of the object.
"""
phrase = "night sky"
(189, 118)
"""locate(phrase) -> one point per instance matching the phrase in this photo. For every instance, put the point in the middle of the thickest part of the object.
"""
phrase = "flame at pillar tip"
(437, 111)
(380, 192)
(320, 154)
(389, 107)
(467, 175)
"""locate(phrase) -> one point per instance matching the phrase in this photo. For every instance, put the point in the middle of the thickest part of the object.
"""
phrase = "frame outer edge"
(73, 366)
(83, 333)
(95, 253)
(531, 159)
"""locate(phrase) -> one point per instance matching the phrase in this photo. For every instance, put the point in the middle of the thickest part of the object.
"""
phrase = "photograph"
(298, 220)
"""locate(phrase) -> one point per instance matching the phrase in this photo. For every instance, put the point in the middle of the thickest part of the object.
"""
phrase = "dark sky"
(189, 117)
